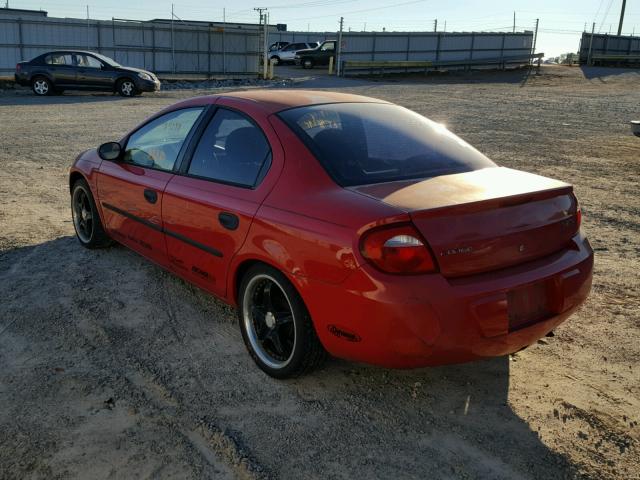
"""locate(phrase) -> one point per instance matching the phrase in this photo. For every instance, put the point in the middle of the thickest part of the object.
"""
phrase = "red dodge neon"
(342, 224)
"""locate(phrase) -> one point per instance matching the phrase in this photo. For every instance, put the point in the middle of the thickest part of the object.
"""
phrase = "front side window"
(365, 143)
(232, 150)
(328, 46)
(158, 143)
(88, 61)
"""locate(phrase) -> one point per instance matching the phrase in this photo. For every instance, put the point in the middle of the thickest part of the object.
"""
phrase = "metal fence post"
(209, 51)
(153, 47)
(373, 47)
(593, 28)
(473, 44)
(408, 46)
(20, 42)
(113, 35)
(224, 45)
(504, 36)
(198, 50)
(98, 29)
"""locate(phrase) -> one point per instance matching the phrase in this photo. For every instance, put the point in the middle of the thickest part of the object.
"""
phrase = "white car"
(287, 54)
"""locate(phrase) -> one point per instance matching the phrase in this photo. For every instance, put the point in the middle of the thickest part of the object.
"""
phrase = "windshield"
(365, 143)
(107, 60)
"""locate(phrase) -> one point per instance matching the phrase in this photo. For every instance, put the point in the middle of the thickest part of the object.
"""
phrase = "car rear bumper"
(413, 321)
(21, 79)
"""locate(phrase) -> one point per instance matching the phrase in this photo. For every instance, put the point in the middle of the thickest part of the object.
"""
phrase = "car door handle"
(228, 220)
(150, 196)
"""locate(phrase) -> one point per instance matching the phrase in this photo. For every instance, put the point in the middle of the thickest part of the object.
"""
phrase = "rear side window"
(58, 59)
(365, 143)
(232, 150)
(158, 143)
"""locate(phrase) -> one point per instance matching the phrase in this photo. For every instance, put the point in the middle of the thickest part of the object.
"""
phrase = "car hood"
(136, 70)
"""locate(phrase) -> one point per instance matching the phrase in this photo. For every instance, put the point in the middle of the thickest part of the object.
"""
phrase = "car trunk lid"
(485, 219)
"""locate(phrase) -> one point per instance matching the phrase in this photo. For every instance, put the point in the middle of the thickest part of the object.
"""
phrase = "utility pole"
(535, 39)
(445, 26)
(339, 49)
(593, 30)
(435, 25)
(263, 16)
(173, 45)
(365, 27)
(624, 4)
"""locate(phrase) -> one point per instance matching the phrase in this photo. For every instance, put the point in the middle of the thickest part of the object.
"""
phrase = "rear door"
(289, 52)
(207, 209)
(61, 68)
(130, 190)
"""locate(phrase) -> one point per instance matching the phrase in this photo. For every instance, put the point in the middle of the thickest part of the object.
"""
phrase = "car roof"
(66, 50)
(276, 100)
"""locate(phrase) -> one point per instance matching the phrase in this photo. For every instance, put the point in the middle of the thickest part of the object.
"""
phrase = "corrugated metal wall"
(604, 44)
(148, 45)
(435, 46)
(432, 46)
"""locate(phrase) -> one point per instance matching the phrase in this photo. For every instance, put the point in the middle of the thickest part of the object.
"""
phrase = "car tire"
(86, 219)
(42, 86)
(276, 326)
(126, 87)
(276, 60)
(307, 63)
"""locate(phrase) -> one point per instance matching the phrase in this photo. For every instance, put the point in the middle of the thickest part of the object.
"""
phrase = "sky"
(561, 22)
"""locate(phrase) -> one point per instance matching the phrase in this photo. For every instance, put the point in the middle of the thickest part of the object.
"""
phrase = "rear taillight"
(578, 218)
(18, 67)
(397, 249)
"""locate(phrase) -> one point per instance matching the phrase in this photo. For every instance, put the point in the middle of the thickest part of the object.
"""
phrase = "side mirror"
(110, 151)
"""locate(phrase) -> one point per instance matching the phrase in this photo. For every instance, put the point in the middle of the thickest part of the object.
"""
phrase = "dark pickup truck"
(53, 72)
(316, 56)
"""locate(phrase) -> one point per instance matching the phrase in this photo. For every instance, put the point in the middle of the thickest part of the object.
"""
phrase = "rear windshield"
(365, 143)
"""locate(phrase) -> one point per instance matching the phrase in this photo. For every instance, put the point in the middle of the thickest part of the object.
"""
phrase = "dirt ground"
(113, 368)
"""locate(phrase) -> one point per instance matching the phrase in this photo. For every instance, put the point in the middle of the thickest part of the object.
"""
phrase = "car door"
(130, 190)
(91, 73)
(288, 53)
(207, 209)
(326, 51)
(61, 68)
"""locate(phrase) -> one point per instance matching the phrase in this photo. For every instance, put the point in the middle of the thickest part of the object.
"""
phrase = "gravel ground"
(112, 368)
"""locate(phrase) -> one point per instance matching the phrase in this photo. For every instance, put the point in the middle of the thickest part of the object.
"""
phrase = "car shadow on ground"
(111, 314)
(319, 78)
(591, 72)
(19, 97)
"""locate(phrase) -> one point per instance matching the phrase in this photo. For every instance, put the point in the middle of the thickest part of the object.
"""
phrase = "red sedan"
(342, 224)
